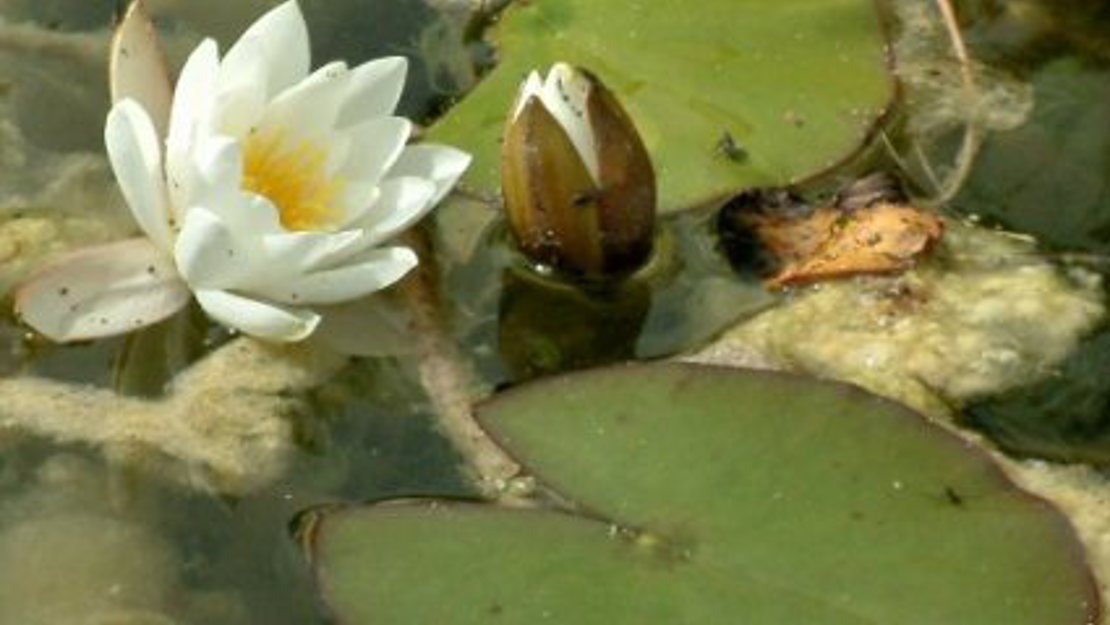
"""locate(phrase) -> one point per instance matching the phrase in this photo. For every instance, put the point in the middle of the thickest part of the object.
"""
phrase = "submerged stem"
(972, 139)
(447, 378)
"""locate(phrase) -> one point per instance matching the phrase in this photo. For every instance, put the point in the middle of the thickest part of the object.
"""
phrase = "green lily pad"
(796, 84)
(706, 495)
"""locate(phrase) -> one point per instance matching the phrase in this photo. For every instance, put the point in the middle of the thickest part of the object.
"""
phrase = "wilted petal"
(372, 271)
(102, 291)
(137, 67)
(441, 164)
(373, 91)
(257, 318)
(375, 325)
(133, 149)
(282, 40)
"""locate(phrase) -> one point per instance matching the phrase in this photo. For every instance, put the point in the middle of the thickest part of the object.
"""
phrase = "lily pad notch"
(702, 493)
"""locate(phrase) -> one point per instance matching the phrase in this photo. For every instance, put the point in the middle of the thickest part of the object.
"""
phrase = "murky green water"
(84, 539)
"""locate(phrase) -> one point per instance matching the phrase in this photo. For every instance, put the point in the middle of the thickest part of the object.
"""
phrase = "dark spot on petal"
(63, 291)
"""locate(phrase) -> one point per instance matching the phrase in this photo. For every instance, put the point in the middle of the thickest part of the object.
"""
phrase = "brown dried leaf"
(831, 243)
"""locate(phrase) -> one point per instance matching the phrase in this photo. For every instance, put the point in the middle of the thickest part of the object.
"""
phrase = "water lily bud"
(577, 180)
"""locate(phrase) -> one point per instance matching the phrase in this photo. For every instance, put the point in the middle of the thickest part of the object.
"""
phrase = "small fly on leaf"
(728, 147)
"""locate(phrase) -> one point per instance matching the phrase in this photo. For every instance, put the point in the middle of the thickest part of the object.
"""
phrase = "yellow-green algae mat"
(726, 93)
(702, 495)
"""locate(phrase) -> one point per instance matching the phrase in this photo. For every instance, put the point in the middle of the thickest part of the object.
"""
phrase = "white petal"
(238, 109)
(282, 40)
(403, 201)
(376, 325)
(207, 254)
(192, 103)
(357, 199)
(258, 318)
(303, 252)
(137, 67)
(219, 163)
(102, 291)
(373, 91)
(441, 164)
(375, 147)
(373, 271)
(133, 149)
(564, 95)
(532, 87)
(398, 203)
(309, 108)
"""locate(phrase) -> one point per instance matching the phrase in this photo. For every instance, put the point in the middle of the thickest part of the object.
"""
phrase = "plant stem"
(450, 384)
(972, 138)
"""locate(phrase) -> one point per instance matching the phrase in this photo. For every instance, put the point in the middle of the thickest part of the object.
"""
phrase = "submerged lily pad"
(703, 495)
(1065, 418)
(1049, 177)
(726, 93)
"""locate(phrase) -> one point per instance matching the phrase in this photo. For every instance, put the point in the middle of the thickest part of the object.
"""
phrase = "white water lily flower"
(269, 199)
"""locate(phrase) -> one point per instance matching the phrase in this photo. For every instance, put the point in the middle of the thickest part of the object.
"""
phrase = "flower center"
(294, 177)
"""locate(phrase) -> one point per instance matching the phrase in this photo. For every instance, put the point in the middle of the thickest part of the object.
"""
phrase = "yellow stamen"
(294, 177)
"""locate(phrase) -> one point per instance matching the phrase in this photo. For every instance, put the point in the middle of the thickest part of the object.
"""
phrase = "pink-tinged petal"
(258, 318)
(373, 90)
(282, 39)
(442, 164)
(133, 149)
(137, 67)
(207, 254)
(371, 271)
(375, 147)
(192, 105)
(102, 291)
(309, 108)
(376, 325)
